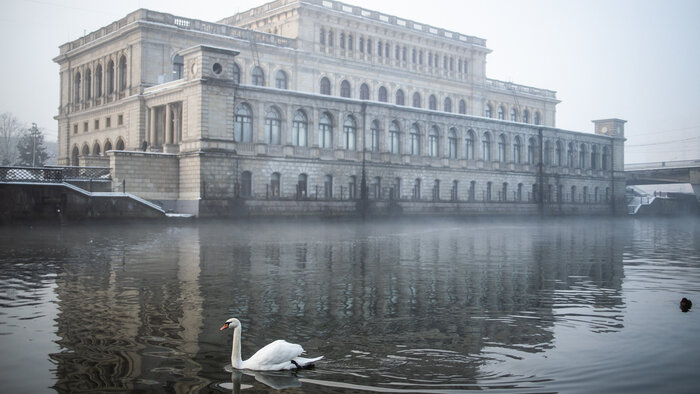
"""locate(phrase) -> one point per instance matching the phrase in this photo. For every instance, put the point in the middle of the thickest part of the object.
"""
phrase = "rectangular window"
(85, 127)
(75, 128)
(120, 120)
(108, 122)
(97, 124)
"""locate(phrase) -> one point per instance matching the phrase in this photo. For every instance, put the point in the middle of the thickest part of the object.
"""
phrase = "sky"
(635, 60)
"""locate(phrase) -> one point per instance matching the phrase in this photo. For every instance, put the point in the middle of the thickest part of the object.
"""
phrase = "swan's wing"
(306, 362)
(277, 352)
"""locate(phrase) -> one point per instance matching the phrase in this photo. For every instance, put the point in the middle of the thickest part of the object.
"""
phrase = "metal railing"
(53, 174)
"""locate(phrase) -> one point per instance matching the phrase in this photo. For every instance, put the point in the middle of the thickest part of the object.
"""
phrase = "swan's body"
(276, 356)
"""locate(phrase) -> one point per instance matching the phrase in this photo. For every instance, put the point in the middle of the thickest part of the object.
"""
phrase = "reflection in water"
(416, 306)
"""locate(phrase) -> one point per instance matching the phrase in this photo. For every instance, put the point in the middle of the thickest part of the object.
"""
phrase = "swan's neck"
(236, 361)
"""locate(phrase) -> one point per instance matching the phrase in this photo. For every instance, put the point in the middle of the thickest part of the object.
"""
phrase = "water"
(554, 306)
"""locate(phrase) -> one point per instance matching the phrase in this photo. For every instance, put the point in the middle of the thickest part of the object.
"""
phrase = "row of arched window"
(349, 190)
(87, 85)
(422, 140)
(96, 150)
(399, 54)
(513, 115)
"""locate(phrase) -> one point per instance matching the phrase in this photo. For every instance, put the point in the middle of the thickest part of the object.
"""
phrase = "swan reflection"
(276, 380)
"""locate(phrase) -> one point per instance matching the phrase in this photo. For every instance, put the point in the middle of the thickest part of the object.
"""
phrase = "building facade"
(288, 107)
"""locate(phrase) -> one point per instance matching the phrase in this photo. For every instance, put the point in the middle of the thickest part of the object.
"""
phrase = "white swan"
(276, 356)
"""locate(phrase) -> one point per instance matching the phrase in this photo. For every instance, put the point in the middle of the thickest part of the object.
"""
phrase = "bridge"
(665, 172)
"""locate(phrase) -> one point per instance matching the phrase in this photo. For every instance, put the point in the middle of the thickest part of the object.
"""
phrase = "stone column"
(152, 131)
(169, 124)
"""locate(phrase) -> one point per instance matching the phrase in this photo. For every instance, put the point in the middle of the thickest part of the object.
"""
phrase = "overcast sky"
(634, 60)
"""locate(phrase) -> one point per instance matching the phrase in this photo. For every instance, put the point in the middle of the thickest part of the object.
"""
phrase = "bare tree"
(10, 130)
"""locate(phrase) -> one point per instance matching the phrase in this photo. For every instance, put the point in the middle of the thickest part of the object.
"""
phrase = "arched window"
(350, 42)
(243, 124)
(275, 184)
(454, 194)
(362, 45)
(88, 84)
(462, 107)
(96, 149)
(281, 80)
(345, 89)
(352, 187)
(452, 143)
(570, 156)
(488, 111)
(594, 157)
(517, 148)
(328, 187)
(416, 189)
(394, 138)
(448, 104)
(531, 151)
(369, 46)
(273, 134)
(383, 94)
(582, 157)
(98, 81)
(364, 92)
(110, 77)
(76, 87)
(374, 136)
(513, 115)
(436, 190)
(108, 145)
(301, 186)
(322, 37)
(257, 76)
(432, 102)
(300, 127)
(120, 144)
(433, 142)
(122, 73)
(537, 118)
(504, 192)
(325, 86)
(486, 147)
(604, 159)
(416, 100)
(74, 156)
(558, 154)
(573, 193)
(325, 131)
(342, 41)
(330, 38)
(519, 193)
(236, 73)
(502, 148)
(469, 145)
(472, 191)
(400, 99)
(501, 112)
(547, 153)
(415, 139)
(246, 184)
(380, 48)
(526, 116)
(349, 131)
(488, 191)
(86, 150)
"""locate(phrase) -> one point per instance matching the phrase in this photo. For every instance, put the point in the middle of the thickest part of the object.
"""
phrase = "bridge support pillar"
(695, 182)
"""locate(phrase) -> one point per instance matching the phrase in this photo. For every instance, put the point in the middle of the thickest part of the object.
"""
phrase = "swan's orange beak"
(225, 326)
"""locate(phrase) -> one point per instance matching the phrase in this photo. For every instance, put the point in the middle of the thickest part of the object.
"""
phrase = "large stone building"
(289, 106)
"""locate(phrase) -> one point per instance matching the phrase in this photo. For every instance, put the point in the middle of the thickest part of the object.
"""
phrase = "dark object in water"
(686, 304)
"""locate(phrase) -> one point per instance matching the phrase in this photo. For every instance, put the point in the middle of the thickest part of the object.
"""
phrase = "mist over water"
(555, 305)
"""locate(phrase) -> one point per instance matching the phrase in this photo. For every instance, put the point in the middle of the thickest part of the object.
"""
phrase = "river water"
(558, 305)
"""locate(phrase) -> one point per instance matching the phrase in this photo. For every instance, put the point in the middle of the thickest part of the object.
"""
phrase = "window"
(472, 191)
(349, 130)
(436, 190)
(413, 56)
(416, 189)
(557, 154)
(400, 100)
(488, 191)
(322, 37)
(236, 73)
(488, 111)
(604, 159)
(122, 73)
(272, 127)
(454, 196)
(570, 156)
(433, 141)
(404, 54)
(547, 153)
(364, 92)
(501, 112)
(432, 102)
(594, 157)
(345, 89)
(415, 139)
(517, 147)
(469, 145)
(377, 188)
(97, 124)
(110, 77)
(85, 127)
(76, 87)
(362, 45)
(275, 184)
(108, 145)
(397, 52)
(281, 80)
(596, 194)
(301, 186)
(352, 187)
(486, 147)
(243, 124)
(258, 76)
(342, 40)
(582, 157)
(299, 129)
(120, 144)
(325, 86)
(120, 120)
(513, 115)
(330, 38)
(178, 67)
(374, 136)
(531, 151)
(519, 194)
(526, 116)
(98, 81)
(325, 131)
(420, 57)
(537, 118)
(328, 187)
(369, 46)
(88, 86)
(108, 122)
(383, 94)
(573, 193)
(397, 189)
(452, 143)
(96, 149)
(394, 138)
(380, 48)
(504, 192)
(86, 150)
(502, 148)
(416, 100)
(448, 104)
(462, 107)
(246, 183)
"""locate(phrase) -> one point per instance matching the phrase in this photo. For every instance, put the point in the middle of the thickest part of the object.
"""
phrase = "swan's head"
(232, 322)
